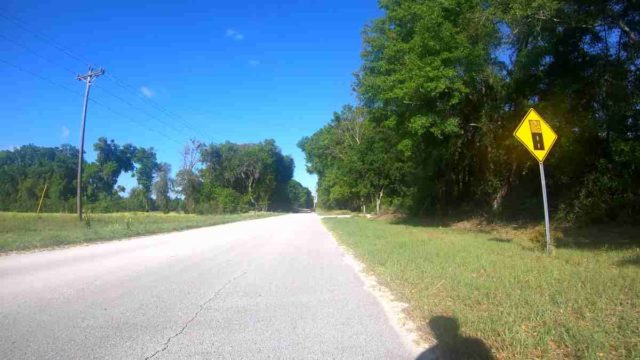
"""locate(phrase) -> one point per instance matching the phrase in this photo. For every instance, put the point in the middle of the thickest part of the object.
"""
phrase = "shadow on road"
(453, 346)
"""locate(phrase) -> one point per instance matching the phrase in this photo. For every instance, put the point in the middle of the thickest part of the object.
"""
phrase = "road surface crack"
(195, 315)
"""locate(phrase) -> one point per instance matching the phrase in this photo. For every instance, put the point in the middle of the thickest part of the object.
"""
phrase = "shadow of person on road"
(451, 345)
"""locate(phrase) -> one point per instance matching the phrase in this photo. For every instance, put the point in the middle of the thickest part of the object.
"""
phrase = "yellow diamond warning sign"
(536, 135)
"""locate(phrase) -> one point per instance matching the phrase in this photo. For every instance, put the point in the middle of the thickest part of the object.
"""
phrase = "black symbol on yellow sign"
(536, 134)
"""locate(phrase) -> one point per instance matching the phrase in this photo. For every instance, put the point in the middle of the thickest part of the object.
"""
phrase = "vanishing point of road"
(274, 288)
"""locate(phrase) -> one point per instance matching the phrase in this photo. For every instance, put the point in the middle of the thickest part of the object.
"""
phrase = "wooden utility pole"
(88, 79)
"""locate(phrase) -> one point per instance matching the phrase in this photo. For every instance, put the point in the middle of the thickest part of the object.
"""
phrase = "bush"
(607, 194)
(220, 200)
(228, 200)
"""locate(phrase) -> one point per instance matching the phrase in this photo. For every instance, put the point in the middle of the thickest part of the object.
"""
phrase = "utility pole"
(88, 79)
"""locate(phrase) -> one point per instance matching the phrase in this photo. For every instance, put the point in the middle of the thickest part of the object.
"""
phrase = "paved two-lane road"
(275, 288)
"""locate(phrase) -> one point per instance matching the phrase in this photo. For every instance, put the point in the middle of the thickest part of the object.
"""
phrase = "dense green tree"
(219, 178)
(257, 173)
(136, 200)
(26, 170)
(424, 66)
(300, 196)
(146, 167)
(187, 181)
(162, 187)
(577, 61)
(111, 161)
(444, 83)
(354, 161)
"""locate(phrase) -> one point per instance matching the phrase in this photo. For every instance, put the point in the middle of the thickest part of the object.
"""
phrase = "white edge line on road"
(393, 309)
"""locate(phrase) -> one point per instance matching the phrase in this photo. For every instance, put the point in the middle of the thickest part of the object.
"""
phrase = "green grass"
(581, 302)
(26, 231)
(323, 212)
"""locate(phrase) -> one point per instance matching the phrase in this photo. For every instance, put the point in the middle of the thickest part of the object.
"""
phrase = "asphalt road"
(275, 288)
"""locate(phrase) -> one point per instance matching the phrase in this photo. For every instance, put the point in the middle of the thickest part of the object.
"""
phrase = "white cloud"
(234, 34)
(64, 133)
(147, 92)
(254, 63)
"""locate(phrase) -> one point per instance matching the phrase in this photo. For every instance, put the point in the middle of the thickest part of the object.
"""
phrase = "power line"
(85, 61)
(159, 107)
(39, 34)
(41, 77)
(106, 107)
(28, 49)
(143, 111)
(146, 127)
(102, 88)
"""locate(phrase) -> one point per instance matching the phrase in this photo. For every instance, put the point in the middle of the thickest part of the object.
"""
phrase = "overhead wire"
(75, 92)
(85, 61)
(39, 34)
(35, 53)
(102, 88)
(153, 103)
(95, 84)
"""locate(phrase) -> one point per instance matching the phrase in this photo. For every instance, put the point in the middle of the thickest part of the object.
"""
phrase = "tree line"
(443, 85)
(214, 178)
(229, 177)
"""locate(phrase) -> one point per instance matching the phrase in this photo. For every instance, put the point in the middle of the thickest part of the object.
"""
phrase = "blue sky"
(216, 71)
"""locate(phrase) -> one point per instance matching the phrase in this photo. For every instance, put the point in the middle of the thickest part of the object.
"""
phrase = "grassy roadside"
(323, 212)
(472, 290)
(26, 231)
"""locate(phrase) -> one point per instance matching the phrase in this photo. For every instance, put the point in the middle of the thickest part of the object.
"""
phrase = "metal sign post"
(546, 210)
(538, 137)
